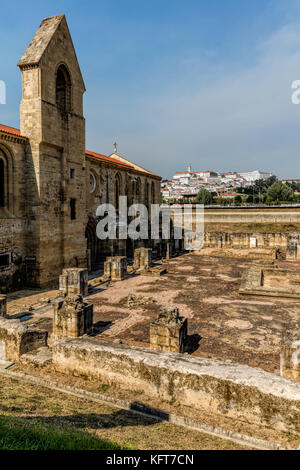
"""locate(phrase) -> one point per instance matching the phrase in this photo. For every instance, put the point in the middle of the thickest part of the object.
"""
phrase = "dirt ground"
(222, 324)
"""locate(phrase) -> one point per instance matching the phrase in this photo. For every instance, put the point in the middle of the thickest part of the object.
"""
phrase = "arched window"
(4, 180)
(117, 191)
(138, 188)
(93, 183)
(63, 89)
(152, 193)
(147, 194)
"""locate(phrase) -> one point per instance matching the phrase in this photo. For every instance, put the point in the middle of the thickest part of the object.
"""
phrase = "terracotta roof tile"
(107, 159)
(10, 130)
(97, 156)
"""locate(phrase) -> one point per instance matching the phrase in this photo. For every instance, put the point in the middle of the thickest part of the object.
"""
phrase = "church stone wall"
(13, 222)
(49, 172)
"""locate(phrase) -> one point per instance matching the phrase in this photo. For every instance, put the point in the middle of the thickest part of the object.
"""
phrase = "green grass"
(20, 434)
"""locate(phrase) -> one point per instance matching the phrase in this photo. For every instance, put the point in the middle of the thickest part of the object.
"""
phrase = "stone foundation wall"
(237, 391)
(270, 281)
(242, 240)
(12, 245)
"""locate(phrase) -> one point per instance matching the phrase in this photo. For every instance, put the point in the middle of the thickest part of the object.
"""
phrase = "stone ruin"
(290, 355)
(17, 339)
(169, 331)
(293, 247)
(137, 300)
(169, 250)
(142, 258)
(270, 280)
(74, 281)
(115, 268)
(72, 318)
(3, 305)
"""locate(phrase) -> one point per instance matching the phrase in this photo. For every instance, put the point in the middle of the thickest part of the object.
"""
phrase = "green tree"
(204, 197)
(249, 199)
(269, 181)
(280, 192)
(238, 200)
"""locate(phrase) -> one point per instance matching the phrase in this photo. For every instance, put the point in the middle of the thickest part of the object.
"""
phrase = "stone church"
(50, 185)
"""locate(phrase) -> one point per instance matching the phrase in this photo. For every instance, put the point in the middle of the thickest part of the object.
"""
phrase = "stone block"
(169, 250)
(72, 318)
(3, 305)
(169, 331)
(142, 258)
(17, 339)
(115, 268)
(74, 281)
(290, 355)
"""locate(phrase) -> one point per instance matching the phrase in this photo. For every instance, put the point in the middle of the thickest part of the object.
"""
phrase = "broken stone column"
(290, 355)
(115, 268)
(72, 318)
(169, 250)
(169, 331)
(74, 281)
(142, 258)
(3, 305)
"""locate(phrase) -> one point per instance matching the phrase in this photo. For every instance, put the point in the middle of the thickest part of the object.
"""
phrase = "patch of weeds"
(56, 409)
(291, 436)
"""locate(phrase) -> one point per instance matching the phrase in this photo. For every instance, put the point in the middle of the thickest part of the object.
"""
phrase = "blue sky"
(177, 81)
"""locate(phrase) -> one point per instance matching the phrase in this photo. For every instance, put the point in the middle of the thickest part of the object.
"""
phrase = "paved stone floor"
(222, 324)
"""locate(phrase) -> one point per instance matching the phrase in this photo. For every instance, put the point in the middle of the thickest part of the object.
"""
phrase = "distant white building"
(256, 175)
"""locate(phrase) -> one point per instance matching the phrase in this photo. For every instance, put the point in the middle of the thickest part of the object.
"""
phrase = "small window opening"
(73, 209)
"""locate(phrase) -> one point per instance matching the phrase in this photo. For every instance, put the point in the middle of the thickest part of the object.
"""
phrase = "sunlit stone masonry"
(72, 318)
(169, 331)
(115, 268)
(74, 281)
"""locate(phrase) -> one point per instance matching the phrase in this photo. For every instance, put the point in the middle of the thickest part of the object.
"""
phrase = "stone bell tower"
(52, 119)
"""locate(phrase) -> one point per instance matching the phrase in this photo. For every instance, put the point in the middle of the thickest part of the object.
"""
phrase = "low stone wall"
(271, 282)
(237, 391)
(17, 339)
(242, 240)
(250, 253)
